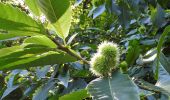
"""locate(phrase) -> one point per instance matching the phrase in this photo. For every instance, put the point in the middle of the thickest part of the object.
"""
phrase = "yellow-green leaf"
(58, 12)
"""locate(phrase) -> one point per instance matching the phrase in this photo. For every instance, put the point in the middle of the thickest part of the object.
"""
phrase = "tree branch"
(150, 87)
(66, 49)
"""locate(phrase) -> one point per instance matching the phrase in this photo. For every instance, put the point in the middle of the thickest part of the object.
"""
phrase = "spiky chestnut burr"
(105, 60)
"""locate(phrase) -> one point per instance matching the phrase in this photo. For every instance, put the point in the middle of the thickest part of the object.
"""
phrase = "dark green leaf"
(98, 11)
(42, 92)
(64, 79)
(9, 90)
(164, 80)
(75, 85)
(113, 7)
(117, 87)
(71, 38)
(41, 72)
(10, 84)
(124, 17)
(77, 2)
(165, 62)
(157, 16)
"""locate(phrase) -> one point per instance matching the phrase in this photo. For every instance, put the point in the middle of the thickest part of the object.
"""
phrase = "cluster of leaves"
(45, 46)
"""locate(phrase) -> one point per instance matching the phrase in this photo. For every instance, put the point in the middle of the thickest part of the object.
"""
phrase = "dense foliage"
(84, 49)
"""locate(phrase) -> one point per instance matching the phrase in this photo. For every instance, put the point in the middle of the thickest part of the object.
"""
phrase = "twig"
(147, 88)
(150, 87)
(66, 49)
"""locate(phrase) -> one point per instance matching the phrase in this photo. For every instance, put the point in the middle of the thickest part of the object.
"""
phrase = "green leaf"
(32, 4)
(2, 82)
(64, 79)
(6, 51)
(114, 8)
(157, 16)
(75, 85)
(9, 90)
(133, 52)
(47, 58)
(133, 3)
(77, 2)
(164, 80)
(26, 52)
(164, 4)
(23, 49)
(30, 90)
(17, 22)
(124, 17)
(117, 87)
(42, 92)
(71, 38)
(99, 10)
(159, 46)
(41, 72)
(165, 62)
(150, 53)
(41, 40)
(77, 95)
(58, 12)
(10, 83)
(9, 35)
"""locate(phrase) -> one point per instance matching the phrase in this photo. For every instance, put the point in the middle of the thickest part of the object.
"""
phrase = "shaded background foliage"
(136, 25)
